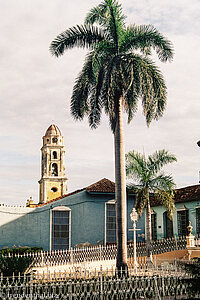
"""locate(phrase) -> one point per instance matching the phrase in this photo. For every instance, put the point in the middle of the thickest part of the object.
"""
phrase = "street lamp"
(134, 218)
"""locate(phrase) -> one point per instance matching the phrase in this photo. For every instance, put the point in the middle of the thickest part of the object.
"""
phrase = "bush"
(20, 251)
(10, 265)
(10, 262)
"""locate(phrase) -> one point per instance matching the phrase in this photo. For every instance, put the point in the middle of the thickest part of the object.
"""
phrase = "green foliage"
(146, 173)
(20, 251)
(10, 265)
(16, 260)
(118, 66)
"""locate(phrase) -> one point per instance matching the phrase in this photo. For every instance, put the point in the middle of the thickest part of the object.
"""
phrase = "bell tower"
(53, 182)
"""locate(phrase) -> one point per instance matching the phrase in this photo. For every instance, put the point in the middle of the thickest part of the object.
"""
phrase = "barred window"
(183, 221)
(168, 226)
(198, 220)
(153, 226)
(110, 223)
(60, 229)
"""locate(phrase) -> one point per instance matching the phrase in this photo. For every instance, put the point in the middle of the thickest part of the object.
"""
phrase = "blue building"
(86, 215)
(187, 203)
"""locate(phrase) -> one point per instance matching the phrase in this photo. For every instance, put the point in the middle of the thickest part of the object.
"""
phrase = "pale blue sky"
(35, 89)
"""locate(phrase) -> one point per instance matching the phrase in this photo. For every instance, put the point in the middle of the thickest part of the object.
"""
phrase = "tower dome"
(53, 136)
(53, 130)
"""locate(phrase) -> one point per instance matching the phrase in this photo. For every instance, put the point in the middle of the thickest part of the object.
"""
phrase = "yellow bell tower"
(53, 182)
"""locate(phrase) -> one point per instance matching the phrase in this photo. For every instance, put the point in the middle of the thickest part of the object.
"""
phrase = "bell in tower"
(53, 182)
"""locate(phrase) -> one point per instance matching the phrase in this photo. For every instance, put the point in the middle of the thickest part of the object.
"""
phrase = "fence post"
(71, 254)
(101, 284)
(31, 287)
(70, 289)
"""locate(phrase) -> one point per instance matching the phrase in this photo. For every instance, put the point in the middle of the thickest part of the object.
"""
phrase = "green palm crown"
(117, 66)
(148, 177)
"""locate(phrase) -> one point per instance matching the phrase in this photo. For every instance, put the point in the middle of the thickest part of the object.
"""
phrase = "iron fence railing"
(101, 254)
(101, 286)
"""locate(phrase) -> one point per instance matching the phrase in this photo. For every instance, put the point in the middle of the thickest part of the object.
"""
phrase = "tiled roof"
(186, 194)
(102, 186)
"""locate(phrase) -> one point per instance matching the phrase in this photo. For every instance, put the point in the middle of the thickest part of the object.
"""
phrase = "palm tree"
(117, 72)
(146, 172)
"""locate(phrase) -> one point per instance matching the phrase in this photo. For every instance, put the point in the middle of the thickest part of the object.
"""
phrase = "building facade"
(61, 221)
(86, 215)
(187, 203)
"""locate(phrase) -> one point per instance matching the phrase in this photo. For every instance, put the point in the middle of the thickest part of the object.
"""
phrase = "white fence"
(97, 257)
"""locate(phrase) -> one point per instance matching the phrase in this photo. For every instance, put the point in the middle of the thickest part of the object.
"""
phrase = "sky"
(35, 91)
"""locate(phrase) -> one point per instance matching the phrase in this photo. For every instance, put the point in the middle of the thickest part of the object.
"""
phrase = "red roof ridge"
(104, 185)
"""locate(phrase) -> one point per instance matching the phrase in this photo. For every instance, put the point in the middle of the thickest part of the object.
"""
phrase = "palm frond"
(112, 89)
(159, 159)
(153, 89)
(162, 182)
(135, 166)
(108, 14)
(167, 199)
(83, 36)
(141, 200)
(82, 88)
(147, 37)
(96, 101)
(97, 14)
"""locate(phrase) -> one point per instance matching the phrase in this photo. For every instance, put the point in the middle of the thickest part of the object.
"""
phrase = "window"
(54, 189)
(153, 226)
(54, 169)
(110, 222)
(198, 220)
(183, 221)
(54, 155)
(60, 228)
(168, 226)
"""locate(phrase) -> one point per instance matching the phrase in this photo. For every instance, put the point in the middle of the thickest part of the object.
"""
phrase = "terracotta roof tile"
(102, 186)
(186, 194)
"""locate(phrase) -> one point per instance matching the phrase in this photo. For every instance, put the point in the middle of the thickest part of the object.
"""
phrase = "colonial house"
(187, 203)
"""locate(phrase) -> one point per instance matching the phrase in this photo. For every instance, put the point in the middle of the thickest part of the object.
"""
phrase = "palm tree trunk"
(120, 192)
(148, 227)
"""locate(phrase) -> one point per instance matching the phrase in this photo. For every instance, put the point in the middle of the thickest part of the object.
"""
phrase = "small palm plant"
(146, 172)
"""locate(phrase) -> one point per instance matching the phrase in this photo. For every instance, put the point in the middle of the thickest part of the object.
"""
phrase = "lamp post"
(134, 218)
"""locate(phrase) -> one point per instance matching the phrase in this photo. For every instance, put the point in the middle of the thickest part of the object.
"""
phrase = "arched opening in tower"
(54, 169)
(54, 155)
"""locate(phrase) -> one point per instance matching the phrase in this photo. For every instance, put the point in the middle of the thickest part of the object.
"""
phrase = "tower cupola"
(53, 179)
